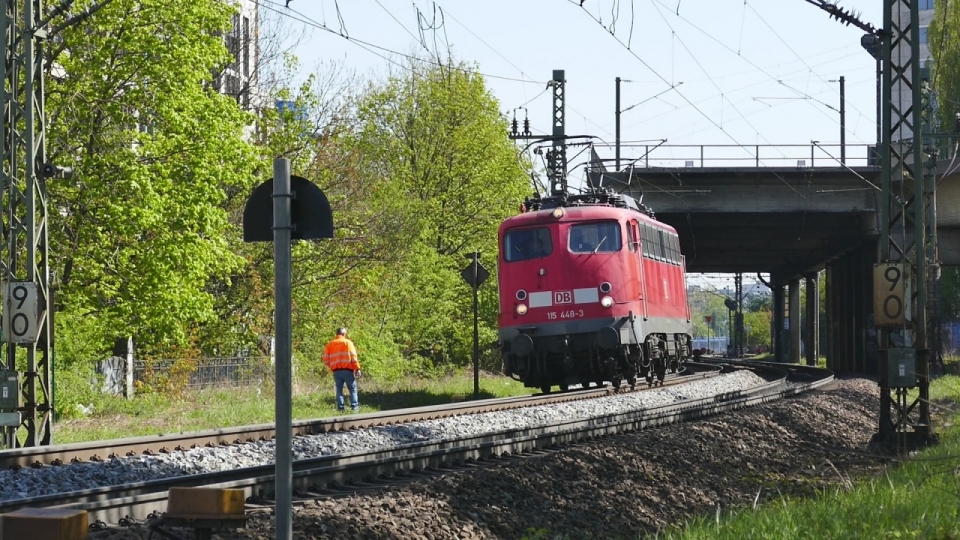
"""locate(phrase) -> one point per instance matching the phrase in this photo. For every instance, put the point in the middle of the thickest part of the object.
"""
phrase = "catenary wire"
(754, 65)
(659, 76)
(787, 45)
(300, 17)
(714, 83)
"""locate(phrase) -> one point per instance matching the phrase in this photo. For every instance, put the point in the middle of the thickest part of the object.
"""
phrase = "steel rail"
(62, 455)
(312, 477)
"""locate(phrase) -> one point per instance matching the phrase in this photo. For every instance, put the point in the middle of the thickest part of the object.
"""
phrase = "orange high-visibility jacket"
(341, 354)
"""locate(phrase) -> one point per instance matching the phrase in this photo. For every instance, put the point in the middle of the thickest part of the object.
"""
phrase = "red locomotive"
(592, 289)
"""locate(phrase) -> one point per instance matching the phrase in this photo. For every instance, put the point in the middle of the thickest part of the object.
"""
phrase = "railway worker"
(340, 355)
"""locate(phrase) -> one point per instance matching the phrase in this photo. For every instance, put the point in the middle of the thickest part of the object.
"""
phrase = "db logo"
(563, 297)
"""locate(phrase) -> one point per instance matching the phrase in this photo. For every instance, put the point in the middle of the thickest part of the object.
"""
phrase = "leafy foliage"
(944, 43)
(147, 235)
(423, 177)
(139, 230)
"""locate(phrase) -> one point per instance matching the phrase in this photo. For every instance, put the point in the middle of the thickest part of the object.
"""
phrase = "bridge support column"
(794, 321)
(832, 323)
(812, 343)
(844, 309)
(851, 335)
(779, 318)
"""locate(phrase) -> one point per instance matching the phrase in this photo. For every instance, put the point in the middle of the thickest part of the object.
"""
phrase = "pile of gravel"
(617, 487)
(26, 483)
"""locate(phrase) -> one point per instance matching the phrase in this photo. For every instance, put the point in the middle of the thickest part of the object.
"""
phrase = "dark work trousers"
(346, 377)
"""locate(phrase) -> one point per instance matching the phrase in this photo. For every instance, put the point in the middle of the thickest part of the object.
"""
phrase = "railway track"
(323, 476)
(96, 451)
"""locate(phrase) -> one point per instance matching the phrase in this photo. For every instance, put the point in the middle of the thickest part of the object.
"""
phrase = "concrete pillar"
(831, 317)
(812, 344)
(776, 338)
(794, 319)
(847, 309)
(851, 336)
(123, 348)
(863, 294)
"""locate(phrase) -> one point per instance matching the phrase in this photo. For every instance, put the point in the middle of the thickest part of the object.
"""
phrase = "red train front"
(592, 289)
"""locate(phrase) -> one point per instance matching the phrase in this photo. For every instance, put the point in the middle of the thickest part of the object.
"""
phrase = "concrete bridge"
(792, 215)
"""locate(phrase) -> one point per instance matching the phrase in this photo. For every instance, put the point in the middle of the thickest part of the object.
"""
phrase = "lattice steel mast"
(904, 220)
(557, 154)
(23, 190)
(907, 227)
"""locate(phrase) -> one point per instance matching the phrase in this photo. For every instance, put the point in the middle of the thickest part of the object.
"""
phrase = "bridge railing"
(734, 155)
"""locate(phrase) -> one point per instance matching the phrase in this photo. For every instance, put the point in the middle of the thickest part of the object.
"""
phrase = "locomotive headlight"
(557, 212)
(606, 301)
(521, 309)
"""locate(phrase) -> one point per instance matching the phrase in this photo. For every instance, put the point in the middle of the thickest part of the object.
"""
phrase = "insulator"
(514, 125)
(526, 126)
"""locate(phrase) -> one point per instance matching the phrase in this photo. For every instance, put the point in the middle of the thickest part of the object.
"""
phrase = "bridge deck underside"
(786, 221)
(784, 243)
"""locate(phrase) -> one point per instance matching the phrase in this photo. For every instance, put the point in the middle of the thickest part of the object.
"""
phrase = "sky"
(700, 72)
(736, 73)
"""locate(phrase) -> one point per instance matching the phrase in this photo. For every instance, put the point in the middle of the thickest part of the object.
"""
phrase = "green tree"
(944, 43)
(435, 133)
(950, 283)
(759, 323)
(419, 171)
(139, 230)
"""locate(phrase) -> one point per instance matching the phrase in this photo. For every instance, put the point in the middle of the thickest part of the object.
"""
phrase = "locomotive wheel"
(632, 381)
(545, 388)
(674, 366)
(564, 387)
(661, 368)
(616, 384)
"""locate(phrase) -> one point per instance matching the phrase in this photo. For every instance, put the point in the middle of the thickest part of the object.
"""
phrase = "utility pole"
(872, 43)
(557, 155)
(24, 264)
(738, 317)
(906, 227)
(843, 122)
(902, 269)
(618, 126)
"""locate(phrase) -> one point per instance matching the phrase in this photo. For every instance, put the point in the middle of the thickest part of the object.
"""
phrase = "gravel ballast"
(617, 487)
(26, 483)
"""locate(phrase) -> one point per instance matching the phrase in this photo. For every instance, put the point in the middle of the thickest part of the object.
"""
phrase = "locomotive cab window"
(524, 244)
(645, 239)
(600, 237)
(652, 238)
(674, 249)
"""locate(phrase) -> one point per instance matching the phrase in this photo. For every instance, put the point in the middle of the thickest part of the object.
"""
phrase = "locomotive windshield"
(599, 237)
(524, 244)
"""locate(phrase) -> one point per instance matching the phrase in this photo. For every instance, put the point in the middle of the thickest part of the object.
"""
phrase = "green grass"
(152, 413)
(919, 499)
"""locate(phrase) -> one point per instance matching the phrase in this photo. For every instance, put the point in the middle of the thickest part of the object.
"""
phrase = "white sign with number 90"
(20, 312)
(891, 294)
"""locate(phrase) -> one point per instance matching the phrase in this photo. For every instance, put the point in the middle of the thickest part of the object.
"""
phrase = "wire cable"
(758, 68)
(302, 18)
(714, 83)
(659, 76)
(787, 45)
